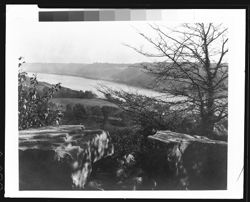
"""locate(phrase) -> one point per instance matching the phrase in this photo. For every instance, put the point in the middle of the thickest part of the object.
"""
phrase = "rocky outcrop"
(61, 157)
(195, 162)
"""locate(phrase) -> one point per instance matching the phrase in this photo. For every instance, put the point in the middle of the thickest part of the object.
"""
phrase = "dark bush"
(125, 140)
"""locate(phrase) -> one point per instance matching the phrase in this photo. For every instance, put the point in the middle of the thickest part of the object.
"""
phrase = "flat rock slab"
(60, 157)
(198, 163)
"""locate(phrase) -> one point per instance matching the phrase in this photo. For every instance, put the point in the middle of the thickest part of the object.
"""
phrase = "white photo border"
(236, 21)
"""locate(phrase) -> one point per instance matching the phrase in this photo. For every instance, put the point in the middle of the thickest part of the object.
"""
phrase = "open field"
(86, 102)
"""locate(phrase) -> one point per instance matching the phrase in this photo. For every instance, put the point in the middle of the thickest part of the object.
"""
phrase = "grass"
(86, 102)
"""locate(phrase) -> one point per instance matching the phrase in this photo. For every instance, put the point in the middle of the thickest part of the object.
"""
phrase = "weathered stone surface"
(60, 157)
(198, 163)
(173, 137)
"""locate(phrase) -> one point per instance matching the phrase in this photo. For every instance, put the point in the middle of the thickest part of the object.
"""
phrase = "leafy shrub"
(34, 109)
(125, 140)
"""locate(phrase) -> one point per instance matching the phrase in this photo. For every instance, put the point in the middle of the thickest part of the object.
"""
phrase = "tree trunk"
(206, 126)
(207, 122)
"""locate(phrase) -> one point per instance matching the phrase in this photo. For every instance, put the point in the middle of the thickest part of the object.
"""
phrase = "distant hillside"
(103, 71)
(134, 76)
(129, 74)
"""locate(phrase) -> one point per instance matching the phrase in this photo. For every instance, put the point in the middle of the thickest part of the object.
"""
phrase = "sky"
(74, 42)
(84, 42)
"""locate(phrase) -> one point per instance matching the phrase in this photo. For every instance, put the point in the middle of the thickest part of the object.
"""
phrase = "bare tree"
(193, 67)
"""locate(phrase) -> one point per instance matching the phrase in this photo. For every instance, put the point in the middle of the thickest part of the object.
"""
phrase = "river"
(81, 83)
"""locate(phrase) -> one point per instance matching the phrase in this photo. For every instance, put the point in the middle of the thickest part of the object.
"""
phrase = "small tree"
(79, 112)
(106, 112)
(34, 109)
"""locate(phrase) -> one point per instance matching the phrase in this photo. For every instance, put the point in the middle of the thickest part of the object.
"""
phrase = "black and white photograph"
(125, 100)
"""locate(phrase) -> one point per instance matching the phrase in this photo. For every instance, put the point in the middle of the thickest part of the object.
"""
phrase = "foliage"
(96, 110)
(125, 140)
(92, 116)
(34, 109)
(79, 112)
(151, 114)
(69, 93)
